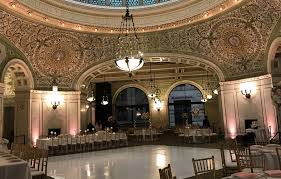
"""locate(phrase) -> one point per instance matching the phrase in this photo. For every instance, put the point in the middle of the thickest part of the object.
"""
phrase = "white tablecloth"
(270, 156)
(42, 143)
(12, 167)
(260, 176)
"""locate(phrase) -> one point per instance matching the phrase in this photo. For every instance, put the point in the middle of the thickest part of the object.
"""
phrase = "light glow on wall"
(272, 127)
(54, 97)
(248, 87)
(73, 131)
(35, 135)
(232, 128)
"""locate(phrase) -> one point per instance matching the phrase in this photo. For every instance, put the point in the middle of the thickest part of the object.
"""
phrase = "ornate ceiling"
(84, 17)
(236, 42)
(120, 3)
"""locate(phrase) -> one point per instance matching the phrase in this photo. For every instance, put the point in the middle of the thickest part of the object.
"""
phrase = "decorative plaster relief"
(2, 52)
(235, 42)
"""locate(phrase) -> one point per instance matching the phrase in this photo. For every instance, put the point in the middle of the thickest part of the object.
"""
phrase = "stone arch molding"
(96, 70)
(21, 72)
(271, 52)
(170, 89)
(125, 87)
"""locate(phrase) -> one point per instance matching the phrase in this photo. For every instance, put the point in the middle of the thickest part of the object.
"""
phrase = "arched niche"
(131, 107)
(182, 98)
(16, 75)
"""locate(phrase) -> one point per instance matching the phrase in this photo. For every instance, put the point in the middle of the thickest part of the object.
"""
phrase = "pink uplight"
(232, 128)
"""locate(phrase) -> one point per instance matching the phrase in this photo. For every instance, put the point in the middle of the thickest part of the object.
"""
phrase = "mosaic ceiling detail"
(120, 3)
(236, 42)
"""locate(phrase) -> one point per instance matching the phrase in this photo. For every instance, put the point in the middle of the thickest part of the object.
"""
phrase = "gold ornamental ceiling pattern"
(236, 42)
(88, 18)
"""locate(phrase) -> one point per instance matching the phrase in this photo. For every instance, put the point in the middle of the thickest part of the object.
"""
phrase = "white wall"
(236, 107)
(1, 108)
(43, 117)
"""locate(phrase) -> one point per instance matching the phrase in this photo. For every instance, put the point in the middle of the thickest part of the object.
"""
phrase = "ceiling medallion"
(128, 57)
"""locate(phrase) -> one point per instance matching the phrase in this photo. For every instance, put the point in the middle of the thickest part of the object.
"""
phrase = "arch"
(96, 70)
(170, 89)
(130, 110)
(271, 53)
(124, 87)
(21, 71)
(185, 103)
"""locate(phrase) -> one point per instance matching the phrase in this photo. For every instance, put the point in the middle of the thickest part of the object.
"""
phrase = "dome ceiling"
(105, 15)
(120, 3)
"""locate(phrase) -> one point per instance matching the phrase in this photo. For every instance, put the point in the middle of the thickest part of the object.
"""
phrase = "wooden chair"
(228, 167)
(166, 173)
(247, 160)
(205, 166)
(41, 166)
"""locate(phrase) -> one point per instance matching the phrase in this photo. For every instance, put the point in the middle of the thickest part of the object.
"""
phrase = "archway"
(168, 69)
(185, 106)
(16, 76)
(131, 108)
(187, 60)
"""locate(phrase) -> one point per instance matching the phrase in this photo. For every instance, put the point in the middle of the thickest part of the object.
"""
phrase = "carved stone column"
(22, 115)
(1, 108)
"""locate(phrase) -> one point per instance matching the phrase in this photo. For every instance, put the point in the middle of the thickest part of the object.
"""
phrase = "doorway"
(183, 100)
(9, 120)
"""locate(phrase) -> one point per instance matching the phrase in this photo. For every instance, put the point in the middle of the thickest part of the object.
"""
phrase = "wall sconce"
(246, 93)
(55, 101)
(55, 104)
(54, 98)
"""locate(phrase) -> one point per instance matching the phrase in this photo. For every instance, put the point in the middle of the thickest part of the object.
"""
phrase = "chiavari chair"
(98, 141)
(229, 164)
(166, 173)
(249, 161)
(204, 166)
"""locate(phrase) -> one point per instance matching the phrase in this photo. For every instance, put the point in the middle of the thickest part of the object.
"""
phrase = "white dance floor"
(140, 162)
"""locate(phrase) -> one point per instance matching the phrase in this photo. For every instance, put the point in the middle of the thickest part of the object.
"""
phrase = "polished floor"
(140, 162)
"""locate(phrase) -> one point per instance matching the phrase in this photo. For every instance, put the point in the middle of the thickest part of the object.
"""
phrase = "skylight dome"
(121, 3)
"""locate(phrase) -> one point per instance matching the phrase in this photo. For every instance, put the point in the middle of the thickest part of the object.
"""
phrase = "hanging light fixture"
(104, 100)
(204, 100)
(90, 95)
(216, 91)
(151, 92)
(128, 57)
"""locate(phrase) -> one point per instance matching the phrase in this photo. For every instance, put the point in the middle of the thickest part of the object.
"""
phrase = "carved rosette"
(236, 41)
(59, 53)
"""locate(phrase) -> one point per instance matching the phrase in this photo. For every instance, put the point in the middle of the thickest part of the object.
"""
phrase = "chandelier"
(128, 57)
(153, 90)
(104, 100)
(90, 95)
